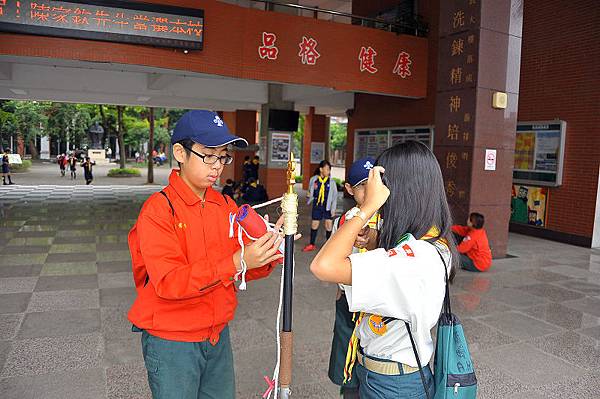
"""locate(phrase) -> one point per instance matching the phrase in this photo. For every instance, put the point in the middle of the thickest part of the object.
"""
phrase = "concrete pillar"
(479, 55)
(316, 130)
(45, 147)
(241, 123)
(272, 174)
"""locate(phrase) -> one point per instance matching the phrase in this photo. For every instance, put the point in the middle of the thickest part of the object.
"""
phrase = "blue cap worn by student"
(206, 128)
(359, 171)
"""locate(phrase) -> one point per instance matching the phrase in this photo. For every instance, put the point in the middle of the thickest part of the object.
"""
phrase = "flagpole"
(290, 227)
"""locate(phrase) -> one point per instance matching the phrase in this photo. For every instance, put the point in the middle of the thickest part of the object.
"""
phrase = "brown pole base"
(285, 367)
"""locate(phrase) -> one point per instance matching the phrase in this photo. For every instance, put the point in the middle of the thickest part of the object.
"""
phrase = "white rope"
(242, 286)
(289, 204)
(276, 370)
(257, 206)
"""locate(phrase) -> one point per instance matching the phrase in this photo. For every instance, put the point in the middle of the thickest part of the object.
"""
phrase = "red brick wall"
(560, 69)
(560, 78)
(384, 111)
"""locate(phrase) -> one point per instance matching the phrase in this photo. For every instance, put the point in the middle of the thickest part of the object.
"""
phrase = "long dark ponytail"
(417, 197)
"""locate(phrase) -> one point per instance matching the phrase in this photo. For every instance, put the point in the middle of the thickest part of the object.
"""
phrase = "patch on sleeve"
(392, 252)
(408, 250)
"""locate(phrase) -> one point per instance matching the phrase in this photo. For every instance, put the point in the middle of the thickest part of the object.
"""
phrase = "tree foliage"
(71, 122)
(337, 135)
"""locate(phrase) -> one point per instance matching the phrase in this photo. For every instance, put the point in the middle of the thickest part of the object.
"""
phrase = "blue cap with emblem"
(206, 128)
(359, 171)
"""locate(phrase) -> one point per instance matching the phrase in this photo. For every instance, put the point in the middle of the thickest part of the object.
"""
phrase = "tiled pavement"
(533, 322)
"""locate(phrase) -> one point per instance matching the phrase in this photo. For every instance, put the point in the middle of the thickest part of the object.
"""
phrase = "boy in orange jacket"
(185, 264)
(474, 247)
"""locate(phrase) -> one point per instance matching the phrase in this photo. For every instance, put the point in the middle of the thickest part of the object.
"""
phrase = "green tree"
(67, 121)
(8, 122)
(337, 136)
(298, 138)
(31, 121)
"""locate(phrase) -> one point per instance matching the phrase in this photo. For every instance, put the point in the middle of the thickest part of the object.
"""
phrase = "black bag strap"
(169, 201)
(412, 341)
(172, 213)
(446, 309)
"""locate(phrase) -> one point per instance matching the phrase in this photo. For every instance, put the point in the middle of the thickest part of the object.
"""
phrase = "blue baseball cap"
(206, 128)
(359, 171)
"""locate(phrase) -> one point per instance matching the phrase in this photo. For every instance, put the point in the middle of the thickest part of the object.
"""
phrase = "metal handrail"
(418, 27)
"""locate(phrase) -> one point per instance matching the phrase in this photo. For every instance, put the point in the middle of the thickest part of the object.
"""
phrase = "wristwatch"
(356, 211)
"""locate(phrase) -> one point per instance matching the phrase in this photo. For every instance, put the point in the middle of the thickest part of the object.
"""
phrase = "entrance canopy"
(215, 55)
(48, 79)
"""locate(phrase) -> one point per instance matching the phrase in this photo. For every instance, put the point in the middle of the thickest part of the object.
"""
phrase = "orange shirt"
(183, 264)
(475, 245)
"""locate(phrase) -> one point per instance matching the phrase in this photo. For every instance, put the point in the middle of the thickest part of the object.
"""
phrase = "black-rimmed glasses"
(212, 159)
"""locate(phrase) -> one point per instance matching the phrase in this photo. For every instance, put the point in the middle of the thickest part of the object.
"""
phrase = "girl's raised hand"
(376, 192)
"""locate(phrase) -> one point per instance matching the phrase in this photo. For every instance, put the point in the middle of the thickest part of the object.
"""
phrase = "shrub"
(299, 179)
(20, 167)
(127, 172)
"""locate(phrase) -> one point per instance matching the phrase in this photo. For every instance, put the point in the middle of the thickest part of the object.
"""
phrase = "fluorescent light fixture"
(143, 98)
(19, 92)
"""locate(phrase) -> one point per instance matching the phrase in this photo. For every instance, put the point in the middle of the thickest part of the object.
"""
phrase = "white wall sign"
(45, 147)
(14, 159)
(317, 152)
(490, 159)
(280, 147)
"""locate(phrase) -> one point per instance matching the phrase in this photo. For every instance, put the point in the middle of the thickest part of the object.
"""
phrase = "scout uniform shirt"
(182, 264)
(406, 283)
(374, 223)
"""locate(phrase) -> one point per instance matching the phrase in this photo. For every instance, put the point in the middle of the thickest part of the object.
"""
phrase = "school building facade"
(503, 91)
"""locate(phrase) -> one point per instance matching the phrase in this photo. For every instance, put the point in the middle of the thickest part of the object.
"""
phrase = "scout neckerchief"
(321, 196)
(354, 342)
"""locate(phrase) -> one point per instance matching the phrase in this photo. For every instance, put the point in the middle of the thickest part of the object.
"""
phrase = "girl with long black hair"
(402, 280)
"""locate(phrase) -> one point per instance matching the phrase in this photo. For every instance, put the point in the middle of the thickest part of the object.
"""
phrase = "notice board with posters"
(372, 142)
(107, 20)
(539, 152)
(529, 205)
(281, 146)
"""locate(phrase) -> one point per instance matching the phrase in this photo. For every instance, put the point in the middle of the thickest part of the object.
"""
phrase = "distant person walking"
(73, 166)
(62, 164)
(6, 168)
(87, 170)
(322, 193)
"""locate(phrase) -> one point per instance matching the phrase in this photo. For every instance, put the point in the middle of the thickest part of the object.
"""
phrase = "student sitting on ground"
(228, 188)
(255, 193)
(474, 248)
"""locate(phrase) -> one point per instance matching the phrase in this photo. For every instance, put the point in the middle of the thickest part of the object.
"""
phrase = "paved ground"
(533, 322)
(46, 173)
(49, 174)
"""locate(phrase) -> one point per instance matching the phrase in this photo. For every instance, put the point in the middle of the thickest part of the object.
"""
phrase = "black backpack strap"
(412, 341)
(169, 201)
(172, 213)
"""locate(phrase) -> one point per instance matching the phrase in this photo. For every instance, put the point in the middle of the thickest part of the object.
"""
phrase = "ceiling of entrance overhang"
(43, 79)
(332, 5)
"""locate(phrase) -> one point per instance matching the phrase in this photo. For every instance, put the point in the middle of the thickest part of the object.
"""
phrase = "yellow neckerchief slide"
(354, 342)
(321, 197)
